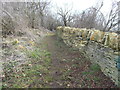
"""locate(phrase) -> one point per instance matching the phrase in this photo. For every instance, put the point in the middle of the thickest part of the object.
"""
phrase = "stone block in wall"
(113, 40)
(84, 34)
(94, 36)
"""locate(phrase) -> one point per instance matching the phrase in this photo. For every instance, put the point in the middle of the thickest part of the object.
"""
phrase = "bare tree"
(90, 18)
(118, 15)
(65, 14)
(20, 15)
(42, 6)
(36, 12)
(112, 21)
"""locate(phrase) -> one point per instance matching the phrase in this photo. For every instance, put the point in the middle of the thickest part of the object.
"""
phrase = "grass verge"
(32, 74)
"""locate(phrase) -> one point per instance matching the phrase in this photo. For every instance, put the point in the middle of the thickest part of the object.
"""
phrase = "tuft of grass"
(47, 53)
(96, 79)
(74, 65)
(95, 67)
(34, 54)
(15, 42)
(48, 79)
(86, 73)
(37, 54)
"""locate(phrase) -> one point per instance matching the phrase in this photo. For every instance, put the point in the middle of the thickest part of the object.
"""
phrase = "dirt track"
(71, 69)
(52, 64)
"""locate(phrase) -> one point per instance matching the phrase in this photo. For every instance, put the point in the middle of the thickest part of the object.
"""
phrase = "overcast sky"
(77, 5)
(80, 5)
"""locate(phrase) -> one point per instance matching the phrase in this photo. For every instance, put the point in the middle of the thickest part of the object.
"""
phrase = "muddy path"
(71, 69)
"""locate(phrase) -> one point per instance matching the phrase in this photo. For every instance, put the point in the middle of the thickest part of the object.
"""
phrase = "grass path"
(71, 69)
(52, 64)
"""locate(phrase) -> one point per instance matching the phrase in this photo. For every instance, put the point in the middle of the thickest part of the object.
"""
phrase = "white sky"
(80, 5)
(77, 5)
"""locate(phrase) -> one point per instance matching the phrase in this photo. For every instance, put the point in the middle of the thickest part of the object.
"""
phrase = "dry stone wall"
(100, 47)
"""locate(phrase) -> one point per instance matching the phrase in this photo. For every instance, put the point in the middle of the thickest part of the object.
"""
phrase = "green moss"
(96, 79)
(95, 67)
(48, 79)
(87, 72)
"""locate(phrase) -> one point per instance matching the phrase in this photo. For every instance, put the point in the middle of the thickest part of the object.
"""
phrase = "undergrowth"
(34, 73)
